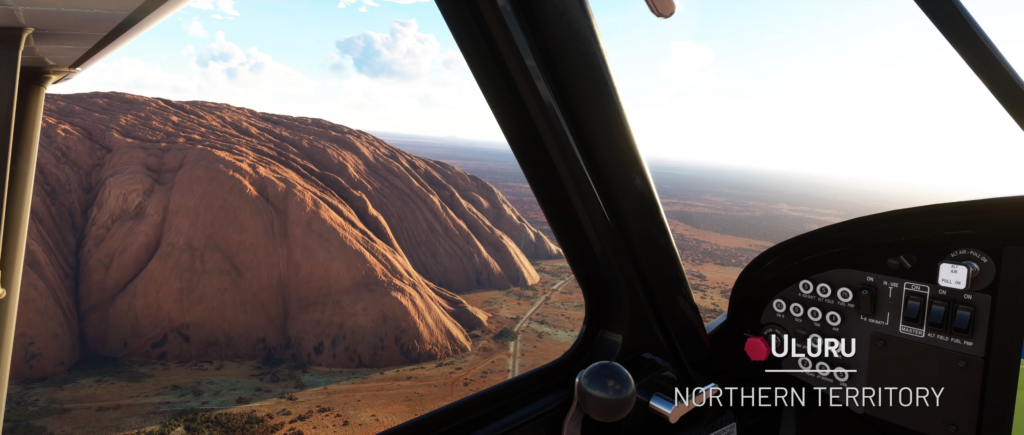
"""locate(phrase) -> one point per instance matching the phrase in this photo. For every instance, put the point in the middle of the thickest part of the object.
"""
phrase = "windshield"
(279, 217)
(760, 121)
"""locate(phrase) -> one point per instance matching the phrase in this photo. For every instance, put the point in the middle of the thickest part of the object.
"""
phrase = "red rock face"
(199, 231)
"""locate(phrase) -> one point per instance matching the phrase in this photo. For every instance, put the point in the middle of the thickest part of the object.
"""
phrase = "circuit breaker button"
(833, 318)
(796, 309)
(844, 294)
(814, 313)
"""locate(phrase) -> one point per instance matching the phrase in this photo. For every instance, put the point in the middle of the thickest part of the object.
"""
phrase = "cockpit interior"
(903, 322)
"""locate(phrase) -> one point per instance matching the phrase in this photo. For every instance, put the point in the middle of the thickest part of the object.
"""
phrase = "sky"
(864, 93)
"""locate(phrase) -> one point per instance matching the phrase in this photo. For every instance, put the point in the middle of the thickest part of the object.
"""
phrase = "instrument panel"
(865, 332)
(919, 299)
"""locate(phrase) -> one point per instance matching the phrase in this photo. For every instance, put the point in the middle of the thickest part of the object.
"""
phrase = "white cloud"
(336, 64)
(218, 71)
(226, 7)
(217, 16)
(206, 5)
(195, 29)
(403, 53)
(444, 100)
(224, 62)
(689, 63)
(451, 60)
(343, 3)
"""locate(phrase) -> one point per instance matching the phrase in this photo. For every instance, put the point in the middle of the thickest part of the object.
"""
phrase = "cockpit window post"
(31, 92)
(12, 43)
(979, 52)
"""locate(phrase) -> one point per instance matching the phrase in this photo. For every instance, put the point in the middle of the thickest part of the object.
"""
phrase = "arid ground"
(720, 219)
(106, 396)
(719, 225)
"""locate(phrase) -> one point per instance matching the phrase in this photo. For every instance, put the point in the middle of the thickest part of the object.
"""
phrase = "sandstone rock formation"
(200, 231)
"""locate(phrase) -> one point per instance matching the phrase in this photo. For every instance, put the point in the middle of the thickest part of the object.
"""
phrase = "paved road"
(513, 347)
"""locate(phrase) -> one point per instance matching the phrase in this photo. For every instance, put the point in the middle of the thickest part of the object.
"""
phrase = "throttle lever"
(672, 411)
(605, 391)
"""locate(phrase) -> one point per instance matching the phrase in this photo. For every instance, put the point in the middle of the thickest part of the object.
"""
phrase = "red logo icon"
(757, 348)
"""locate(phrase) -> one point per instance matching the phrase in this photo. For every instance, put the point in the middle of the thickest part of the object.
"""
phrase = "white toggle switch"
(954, 275)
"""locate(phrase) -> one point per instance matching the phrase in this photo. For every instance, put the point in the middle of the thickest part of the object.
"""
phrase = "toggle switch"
(937, 314)
(866, 300)
(962, 319)
(912, 308)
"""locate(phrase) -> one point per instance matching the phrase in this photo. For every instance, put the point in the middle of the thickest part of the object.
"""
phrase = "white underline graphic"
(812, 371)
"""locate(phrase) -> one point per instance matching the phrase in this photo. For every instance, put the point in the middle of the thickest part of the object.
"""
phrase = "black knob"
(894, 263)
(606, 391)
(908, 260)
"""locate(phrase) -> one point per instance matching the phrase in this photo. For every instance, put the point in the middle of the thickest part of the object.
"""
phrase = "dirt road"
(513, 347)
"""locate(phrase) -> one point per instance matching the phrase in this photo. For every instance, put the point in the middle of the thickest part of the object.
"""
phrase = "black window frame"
(570, 135)
(542, 69)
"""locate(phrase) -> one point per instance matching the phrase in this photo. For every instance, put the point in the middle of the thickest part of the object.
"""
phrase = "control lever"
(605, 391)
(672, 412)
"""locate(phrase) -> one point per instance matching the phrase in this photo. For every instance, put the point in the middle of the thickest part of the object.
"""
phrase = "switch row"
(938, 314)
(824, 290)
(823, 369)
(814, 313)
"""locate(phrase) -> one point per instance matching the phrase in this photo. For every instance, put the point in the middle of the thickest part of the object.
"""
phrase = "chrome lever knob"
(671, 410)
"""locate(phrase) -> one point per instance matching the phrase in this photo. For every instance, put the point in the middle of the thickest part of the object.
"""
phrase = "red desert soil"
(110, 396)
(193, 231)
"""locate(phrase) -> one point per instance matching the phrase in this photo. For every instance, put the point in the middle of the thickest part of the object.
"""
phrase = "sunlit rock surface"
(199, 231)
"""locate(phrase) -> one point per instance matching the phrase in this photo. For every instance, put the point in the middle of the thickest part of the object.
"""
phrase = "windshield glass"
(760, 121)
(279, 217)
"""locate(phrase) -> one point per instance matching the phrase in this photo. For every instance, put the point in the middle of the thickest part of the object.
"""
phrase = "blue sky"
(864, 92)
(394, 67)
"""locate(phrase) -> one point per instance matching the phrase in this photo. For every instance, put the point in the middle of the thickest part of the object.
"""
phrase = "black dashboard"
(885, 314)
